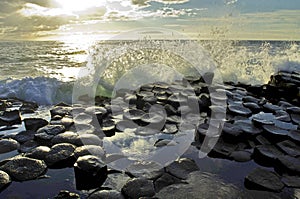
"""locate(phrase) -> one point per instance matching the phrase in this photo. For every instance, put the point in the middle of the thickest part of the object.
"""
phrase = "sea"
(46, 71)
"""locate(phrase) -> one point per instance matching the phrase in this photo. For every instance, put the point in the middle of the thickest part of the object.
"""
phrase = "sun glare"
(79, 5)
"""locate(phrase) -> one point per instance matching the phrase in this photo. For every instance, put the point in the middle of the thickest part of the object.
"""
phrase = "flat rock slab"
(66, 137)
(182, 167)
(261, 179)
(290, 148)
(60, 155)
(39, 152)
(63, 194)
(288, 164)
(9, 118)
(239, 110)
(241, 156)
(4, 180)
(165, 180)
(111, 194)
(89, 150)
(7, 145)
(291, 181)
(52, 129)
(34, 124)
(138, 187)
(266, 155)
(199, 186)
(90, 172)
(25, 136)
(22, 168)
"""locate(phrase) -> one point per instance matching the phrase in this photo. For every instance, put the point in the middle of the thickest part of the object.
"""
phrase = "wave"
(42, 90)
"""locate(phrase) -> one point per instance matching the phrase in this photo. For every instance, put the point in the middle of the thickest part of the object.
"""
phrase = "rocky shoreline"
(259, 123)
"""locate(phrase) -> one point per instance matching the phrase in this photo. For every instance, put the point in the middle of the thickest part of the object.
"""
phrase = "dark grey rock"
(90, 172)
(64, 194)
(239, 110)
(9, 118)
(275, 133)
(241, 156)
(288, 164)
(90, 139)
(182, 167)
(8, 145)
(255, 108)
(133, 115)
(266, 155)
(60, 156)
(89, 150)
(231, 132)
(61, 110)
(222, 150)
(52, 129)
(295, 136)
(291, 181)
(282, 116)
(43, 138)
(248, 127)
(143, 131)
(295, 118)
(27, 146)
(268, 107)
(125, 124)
(263, 118)
(25, 136)
(261, 179)
(4, 180)
(39, 152)
(34, 124)
(138, 187)
(22, 168)
(165, 180)
(164, 142)
(106, 194)
(66, 137)
(67, 122)
(108, 128)
(211, 187)
(170, 129)
(290, 148)
(293, 110)
(116, 181)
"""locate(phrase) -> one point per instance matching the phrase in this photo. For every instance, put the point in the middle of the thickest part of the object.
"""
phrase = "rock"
(241, 156)
(291, 181)
(105, 194)
(239, 110)
(222, 150)
(52, 129)
(60, 156)
(39, 152)
(170, 110)
(4, 180)
(170, 129)
(295, 118)
(175, 119)
(125, 124)
(25, 136)
(182, 167)
(231, 133)
(164, 142)
(266, 155)
(282, 116)
(290, 148)
(165, 180)
(248, 128)
(211, 187)
(64, 194)
(90, 139)
(108, 128)
(263, 118)
(255, 108)
(9, 118)
(261, 179)
(83, 118)
(89, 150)
(138, 187)
(34, 124)
(90, 172)
(271, 108)
(154, 120)
(294, 136)
(67, 122)
(274, 133)
(43, 139)
(66, 137)
(288, 164)
(61, 110)
(293, 110)
(146, 131)
(27, 146)
(22, 168)
(8, 145)
(116, 181)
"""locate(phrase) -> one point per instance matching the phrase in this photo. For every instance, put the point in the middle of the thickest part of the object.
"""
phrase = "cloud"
(144, 3)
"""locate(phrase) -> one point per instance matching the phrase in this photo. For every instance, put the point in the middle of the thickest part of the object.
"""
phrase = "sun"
(79, 5)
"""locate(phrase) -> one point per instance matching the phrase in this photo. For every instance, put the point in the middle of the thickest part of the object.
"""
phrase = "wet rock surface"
(235, 122)
(4, 180)
(23, 169)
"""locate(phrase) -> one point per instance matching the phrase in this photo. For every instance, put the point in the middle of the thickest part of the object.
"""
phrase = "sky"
(103, 19)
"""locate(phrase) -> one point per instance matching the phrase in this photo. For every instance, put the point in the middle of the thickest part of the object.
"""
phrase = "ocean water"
(45, 71)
